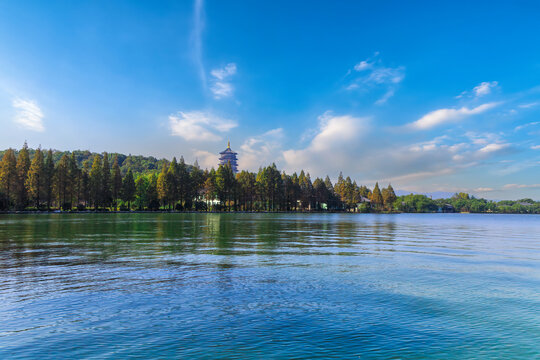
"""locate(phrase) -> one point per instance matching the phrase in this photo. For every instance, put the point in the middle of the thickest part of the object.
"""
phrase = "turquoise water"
(109, 286)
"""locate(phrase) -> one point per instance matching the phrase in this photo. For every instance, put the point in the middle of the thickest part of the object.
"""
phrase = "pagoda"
(228, 156)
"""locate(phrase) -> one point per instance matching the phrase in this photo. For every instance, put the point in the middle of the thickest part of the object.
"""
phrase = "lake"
(273, 286)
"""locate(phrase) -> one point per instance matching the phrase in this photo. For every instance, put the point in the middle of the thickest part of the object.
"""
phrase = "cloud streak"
(199, 125)
(28, 114)
(444, 116)
(482, 89)
(221, 86)
(261, 150)
(371, 74)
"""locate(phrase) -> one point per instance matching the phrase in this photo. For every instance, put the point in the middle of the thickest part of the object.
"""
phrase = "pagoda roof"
(227, 151)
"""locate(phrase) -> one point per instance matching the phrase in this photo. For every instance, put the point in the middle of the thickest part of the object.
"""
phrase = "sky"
(427, 96)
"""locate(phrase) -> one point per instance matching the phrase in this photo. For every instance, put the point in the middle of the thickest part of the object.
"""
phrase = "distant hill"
(434, 195)
(137, 163)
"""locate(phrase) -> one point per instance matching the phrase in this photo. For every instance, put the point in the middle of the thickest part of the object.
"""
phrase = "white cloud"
(29, 115)
(363, 65)
(369, 154)
(261, 150)
(225, 72)
(386, 96)
(332, 146)
(222, 88)
(199, 125)
(483, 138)
(492, 148)
(206, 159)
(521, 186)
(484, 88)
(517, 128)
(529, 105)
(535, 147)
(442, 116)
(373, 75)
(484, 189)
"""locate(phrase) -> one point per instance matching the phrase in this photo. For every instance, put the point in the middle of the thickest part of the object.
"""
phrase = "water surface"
(428, 286)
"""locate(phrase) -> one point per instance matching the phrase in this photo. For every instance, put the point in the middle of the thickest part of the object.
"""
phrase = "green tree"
(389, 197)
(209, 188)
(106, 195)
(116, 182)
(247, 184)
(183, 186)
(85, 183)
(163, 186)
(141, 188)
(152, 194)
(35, 182)
(96, 182)
(48, 180)
(128, 188)
(62, 182)
(23, 165)
(196, 181)
(8, 176)
(74, 174)
(172, 183)
(225, 182)
(376, 197)
(321, 193)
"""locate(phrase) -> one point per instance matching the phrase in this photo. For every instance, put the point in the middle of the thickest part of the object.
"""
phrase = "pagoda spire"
(228, 144)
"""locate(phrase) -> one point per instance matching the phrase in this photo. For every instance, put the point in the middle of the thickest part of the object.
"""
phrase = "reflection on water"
(272, 286)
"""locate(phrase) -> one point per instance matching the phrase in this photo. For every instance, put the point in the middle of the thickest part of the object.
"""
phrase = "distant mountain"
(434, 195)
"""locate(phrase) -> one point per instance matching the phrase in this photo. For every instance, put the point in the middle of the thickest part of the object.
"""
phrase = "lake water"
(273, 286)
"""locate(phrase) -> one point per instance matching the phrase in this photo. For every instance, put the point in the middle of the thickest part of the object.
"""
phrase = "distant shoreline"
(30, 212)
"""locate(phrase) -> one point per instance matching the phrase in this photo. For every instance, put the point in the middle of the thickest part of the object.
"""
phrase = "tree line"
(39, 180)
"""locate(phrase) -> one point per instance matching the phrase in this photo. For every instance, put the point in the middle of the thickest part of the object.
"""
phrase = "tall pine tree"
(106, 195)
(376, 197)
(96, 183)
(128, 188)
(35, 182)
(116, 181)
(48, 181)
(23, 165)
(8, 177)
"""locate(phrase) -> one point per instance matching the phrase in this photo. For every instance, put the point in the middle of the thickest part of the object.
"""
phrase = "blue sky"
(425, 95)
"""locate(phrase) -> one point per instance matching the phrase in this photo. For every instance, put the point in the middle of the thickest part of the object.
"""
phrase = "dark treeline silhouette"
(38, 180)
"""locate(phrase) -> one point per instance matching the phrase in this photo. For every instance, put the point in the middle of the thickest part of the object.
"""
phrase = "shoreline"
(37, 212)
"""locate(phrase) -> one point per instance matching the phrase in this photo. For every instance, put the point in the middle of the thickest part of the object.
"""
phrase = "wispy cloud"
(199, 125)
(482, 89)
(535, 147)
(520, 127)
(521, 186)
(206, 159)
(492, 148)
(262, 149)
(484, 189)
(372, 74)
(221, 86)
(529, 105)
(332, 146)
(196, 38)
(485, 88)
(28, 115)
(443, 116)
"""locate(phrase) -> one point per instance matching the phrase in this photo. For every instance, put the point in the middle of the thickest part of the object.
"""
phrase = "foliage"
(83, 180)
